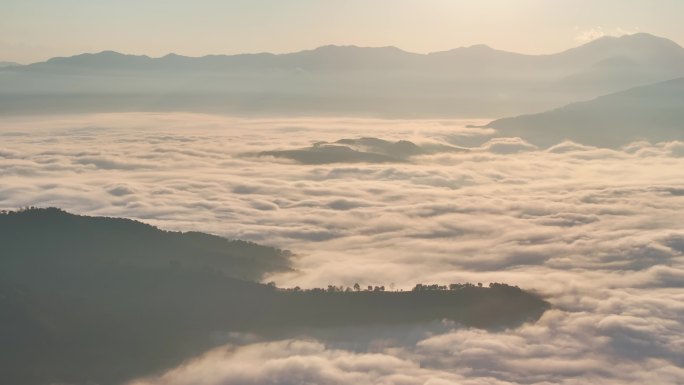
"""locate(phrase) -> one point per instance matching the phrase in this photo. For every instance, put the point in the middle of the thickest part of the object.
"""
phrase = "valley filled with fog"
(597, 232)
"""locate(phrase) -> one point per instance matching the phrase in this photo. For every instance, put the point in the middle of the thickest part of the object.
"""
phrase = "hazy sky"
(33, 30)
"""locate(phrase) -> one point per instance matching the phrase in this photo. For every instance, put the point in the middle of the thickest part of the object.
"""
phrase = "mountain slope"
(654, 112)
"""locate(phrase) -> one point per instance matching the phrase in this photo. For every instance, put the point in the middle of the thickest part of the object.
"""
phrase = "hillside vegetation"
(103, 300)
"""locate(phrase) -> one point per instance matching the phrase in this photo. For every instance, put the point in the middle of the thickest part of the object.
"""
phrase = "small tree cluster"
(334, 289)
(500, 285)
(450, 287)
(419, 287)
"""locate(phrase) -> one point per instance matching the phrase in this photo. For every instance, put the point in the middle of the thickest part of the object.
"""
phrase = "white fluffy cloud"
(585, 35)
(299, 362)
(597, 231)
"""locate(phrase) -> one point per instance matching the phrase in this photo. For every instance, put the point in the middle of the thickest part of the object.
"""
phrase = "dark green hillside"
(101, 301)
(52, 236)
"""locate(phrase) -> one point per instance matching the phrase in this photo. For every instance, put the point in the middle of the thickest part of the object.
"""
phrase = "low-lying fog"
(597, 231)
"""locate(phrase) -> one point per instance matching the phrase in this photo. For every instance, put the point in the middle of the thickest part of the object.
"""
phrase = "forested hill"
(79, 306)
(53, 236)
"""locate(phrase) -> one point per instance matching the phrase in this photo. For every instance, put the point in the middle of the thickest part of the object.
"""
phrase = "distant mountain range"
(653, 112)
(475, 81)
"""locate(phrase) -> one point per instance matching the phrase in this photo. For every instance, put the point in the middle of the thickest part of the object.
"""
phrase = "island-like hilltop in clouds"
(88, 300)
(476, 81)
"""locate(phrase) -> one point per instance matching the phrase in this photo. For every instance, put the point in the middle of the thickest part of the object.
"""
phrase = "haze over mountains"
(476, 81)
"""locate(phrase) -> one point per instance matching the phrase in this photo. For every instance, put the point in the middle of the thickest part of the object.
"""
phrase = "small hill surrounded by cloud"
(360, 150)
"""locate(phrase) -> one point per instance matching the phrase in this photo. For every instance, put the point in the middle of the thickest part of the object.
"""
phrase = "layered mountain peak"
(641, 46)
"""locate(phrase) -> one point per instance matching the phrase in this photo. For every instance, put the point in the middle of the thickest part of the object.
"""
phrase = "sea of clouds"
(598, 232)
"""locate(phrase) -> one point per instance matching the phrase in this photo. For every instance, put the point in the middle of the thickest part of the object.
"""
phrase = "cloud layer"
(597, 231)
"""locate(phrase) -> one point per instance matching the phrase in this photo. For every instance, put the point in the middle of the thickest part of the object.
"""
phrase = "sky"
(35, 30)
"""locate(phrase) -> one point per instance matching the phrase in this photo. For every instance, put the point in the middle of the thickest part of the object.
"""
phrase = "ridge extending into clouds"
(597, 231)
